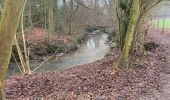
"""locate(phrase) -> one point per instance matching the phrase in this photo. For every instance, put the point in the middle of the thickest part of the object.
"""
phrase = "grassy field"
(162, 22)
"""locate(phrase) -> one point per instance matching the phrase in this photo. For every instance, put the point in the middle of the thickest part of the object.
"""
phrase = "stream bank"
(41, 48)
(97, 80)
(140, 80)
(87, 48)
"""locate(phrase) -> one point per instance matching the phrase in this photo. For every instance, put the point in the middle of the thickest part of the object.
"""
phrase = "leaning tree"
(130, 13)
(8, 27)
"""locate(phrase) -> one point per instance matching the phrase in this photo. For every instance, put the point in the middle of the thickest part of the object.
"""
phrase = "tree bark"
(30, 13)
(129, 35)
(26, 58)
(51, 16)
(8, 27)
(71, 16)
(96, 2)
(21, 57)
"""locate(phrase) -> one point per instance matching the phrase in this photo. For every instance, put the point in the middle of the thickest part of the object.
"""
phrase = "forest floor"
(146, 79)
(164, 92)
(40, 34)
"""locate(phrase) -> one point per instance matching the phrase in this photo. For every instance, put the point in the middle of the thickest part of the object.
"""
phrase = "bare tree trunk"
(8, 27)
(71, 16)
(112, 12)
(21, 57)
(45, 14)
(30, 13)
(130, 32)
(26, 60)
(50, 17)
(95, 11)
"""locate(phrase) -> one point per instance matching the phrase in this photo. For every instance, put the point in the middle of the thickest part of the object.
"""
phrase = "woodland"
(84, 50)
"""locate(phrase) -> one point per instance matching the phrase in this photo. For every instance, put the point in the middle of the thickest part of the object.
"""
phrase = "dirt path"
(164, 92)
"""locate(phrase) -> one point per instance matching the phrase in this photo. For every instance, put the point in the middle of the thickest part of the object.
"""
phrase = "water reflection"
(93, 49)
(91, 44)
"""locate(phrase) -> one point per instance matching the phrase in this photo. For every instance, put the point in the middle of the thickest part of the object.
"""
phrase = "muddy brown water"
(95, 48)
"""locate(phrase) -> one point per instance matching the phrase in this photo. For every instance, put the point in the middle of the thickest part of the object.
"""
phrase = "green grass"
(161, 21)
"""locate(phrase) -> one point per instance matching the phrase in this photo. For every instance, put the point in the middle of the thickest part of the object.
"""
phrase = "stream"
(94, 48)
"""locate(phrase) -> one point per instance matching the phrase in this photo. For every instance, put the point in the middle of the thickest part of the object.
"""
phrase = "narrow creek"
(95, 48)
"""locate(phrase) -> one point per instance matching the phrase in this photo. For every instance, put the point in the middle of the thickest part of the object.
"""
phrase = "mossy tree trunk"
(123, 15)
(65, 16)
(8, 27)
(129, 35)
(71, 16)
(50, 17)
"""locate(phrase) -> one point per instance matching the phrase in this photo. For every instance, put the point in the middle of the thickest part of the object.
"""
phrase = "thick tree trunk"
(8, 27)
(130, 32)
